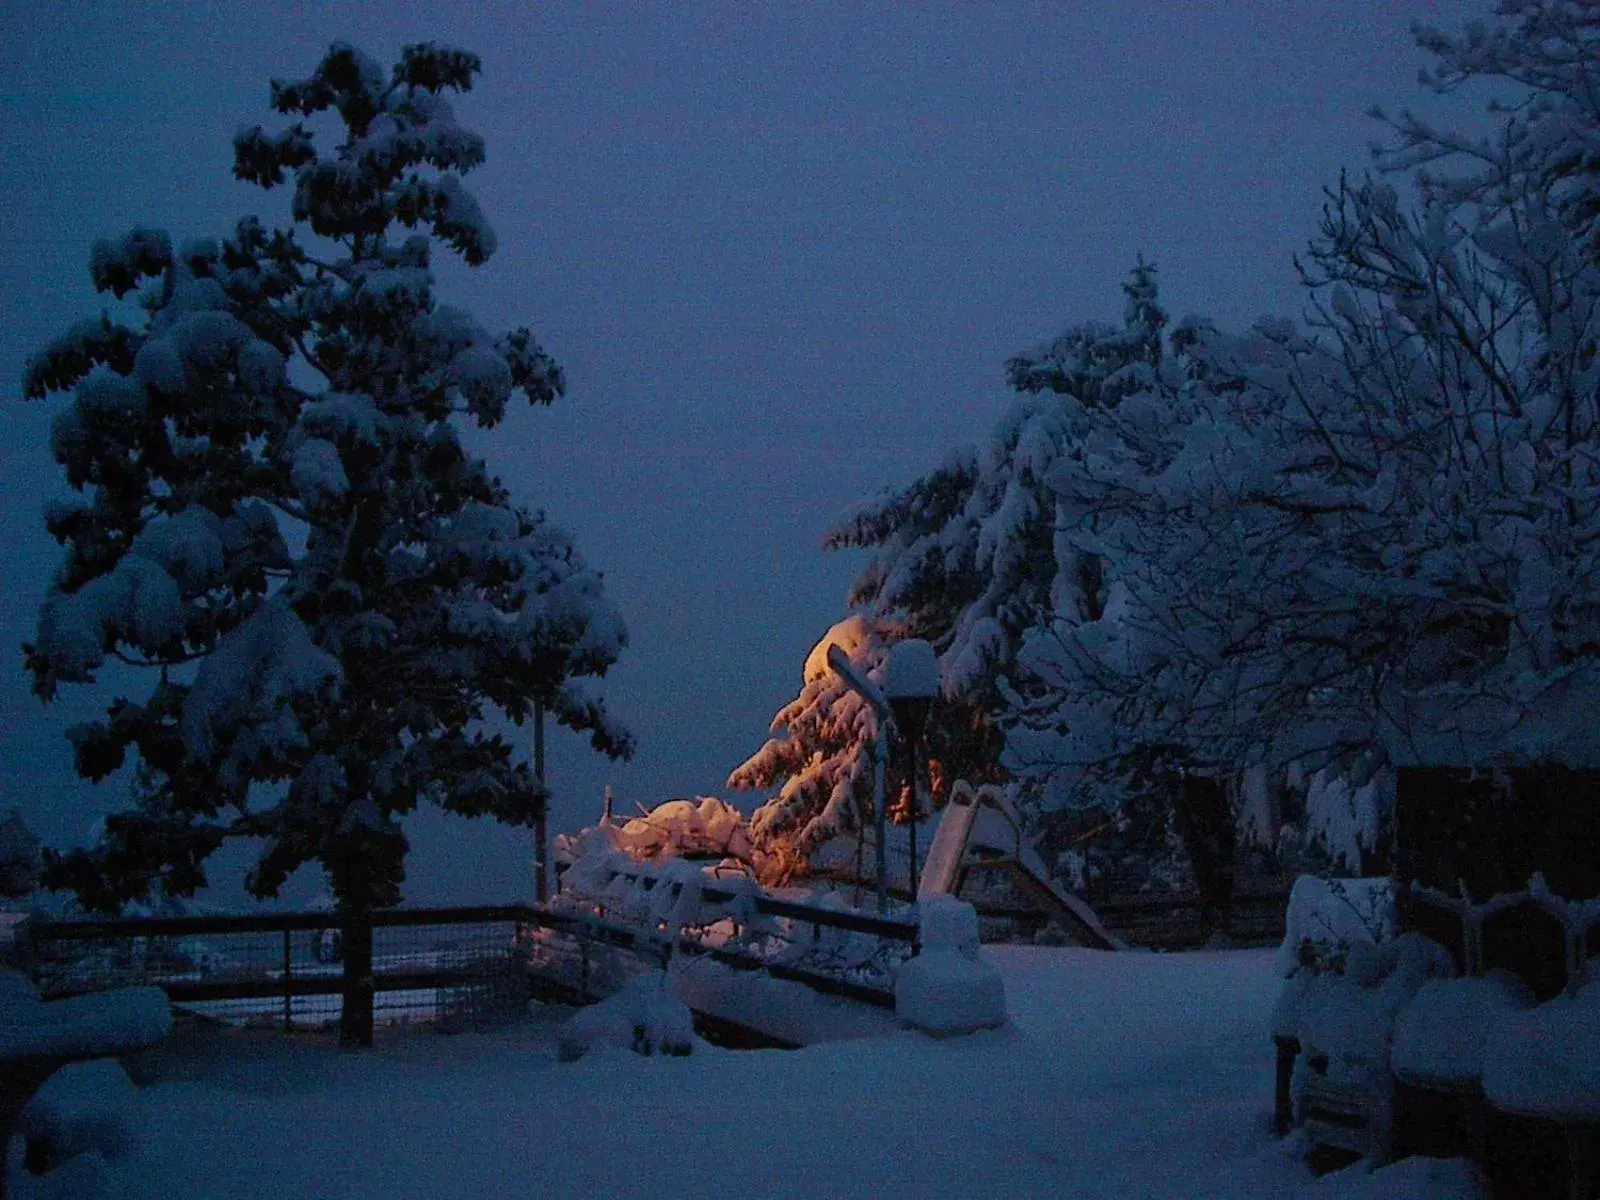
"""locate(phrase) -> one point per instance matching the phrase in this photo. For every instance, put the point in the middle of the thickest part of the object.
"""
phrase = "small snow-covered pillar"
(948, 988)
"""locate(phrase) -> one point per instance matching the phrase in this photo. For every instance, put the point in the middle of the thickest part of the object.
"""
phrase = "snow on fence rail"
(679, 909)
(287, 968)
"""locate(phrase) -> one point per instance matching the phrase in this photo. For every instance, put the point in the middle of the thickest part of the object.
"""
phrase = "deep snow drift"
(1120, 1075)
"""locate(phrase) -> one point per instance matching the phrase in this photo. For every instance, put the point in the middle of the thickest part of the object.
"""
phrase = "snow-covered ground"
(1128, 1075)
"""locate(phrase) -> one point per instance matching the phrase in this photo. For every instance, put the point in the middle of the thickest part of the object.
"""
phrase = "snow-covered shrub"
(643, 1016)
(1327, 918)
(703, 829)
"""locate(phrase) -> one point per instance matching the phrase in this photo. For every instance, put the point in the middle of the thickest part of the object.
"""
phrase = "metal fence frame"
(46, 941)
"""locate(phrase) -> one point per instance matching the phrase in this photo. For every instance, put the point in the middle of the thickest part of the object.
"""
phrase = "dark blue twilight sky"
(781, 250)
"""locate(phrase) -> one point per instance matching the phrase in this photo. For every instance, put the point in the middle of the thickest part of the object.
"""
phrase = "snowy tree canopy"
(332, 593)
(1378, 532)
(968, 555)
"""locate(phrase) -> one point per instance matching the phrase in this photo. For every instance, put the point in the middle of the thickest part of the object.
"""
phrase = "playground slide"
(982, 819)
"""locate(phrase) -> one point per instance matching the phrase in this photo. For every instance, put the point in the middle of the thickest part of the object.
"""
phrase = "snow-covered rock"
(84, 1106)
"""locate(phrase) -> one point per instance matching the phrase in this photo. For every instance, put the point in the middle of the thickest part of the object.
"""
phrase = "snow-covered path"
(1131, 1075)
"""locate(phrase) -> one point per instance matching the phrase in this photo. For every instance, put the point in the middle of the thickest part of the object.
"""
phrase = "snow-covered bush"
(280, 521)
(705, 828)
(643, 1016)
(1326, 918)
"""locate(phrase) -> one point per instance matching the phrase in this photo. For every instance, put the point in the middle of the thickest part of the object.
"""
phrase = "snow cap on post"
(913, 671)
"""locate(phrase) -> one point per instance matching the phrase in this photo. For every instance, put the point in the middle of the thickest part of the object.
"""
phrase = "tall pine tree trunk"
(355, 931)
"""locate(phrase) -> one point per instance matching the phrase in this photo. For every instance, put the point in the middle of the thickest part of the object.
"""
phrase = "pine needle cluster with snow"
(277, 518)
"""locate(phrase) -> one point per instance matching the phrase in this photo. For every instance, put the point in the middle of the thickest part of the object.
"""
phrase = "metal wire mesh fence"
(456, 966)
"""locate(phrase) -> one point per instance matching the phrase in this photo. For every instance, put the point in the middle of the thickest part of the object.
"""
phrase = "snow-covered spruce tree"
(279, 522)
(967, 556)
(971, 557)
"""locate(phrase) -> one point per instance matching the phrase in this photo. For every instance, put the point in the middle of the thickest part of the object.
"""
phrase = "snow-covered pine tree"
(279, 522)
(819, 757)
(967, 556)
(971, 557)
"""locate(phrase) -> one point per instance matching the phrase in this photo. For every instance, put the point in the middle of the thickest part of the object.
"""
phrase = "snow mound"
(84, 1106)
(1546, 1062)
(948, 988)
(1415, 1178)
(101, 1023)
(1440, 1036)
(643, 1017)
(944, 993)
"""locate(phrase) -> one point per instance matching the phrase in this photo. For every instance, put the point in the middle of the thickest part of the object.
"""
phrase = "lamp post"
(911, 683)
(868, 691)
(541, 827)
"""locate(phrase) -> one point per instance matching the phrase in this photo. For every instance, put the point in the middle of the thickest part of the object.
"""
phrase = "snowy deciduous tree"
(1381, 533)
(277, 517)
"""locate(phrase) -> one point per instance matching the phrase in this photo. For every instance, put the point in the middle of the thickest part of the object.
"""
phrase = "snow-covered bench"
(1341, 1024)
(38, 1038)
(1437, 1057)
